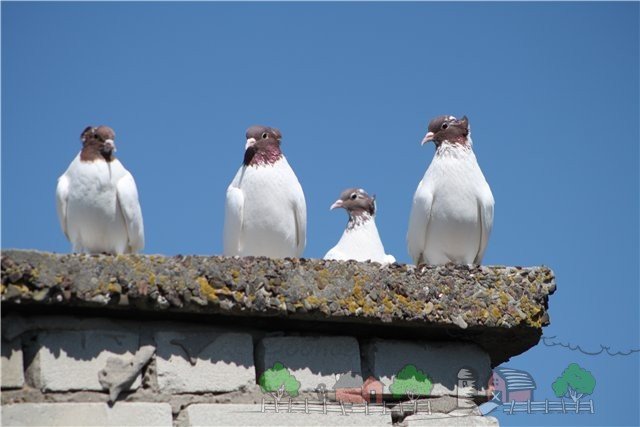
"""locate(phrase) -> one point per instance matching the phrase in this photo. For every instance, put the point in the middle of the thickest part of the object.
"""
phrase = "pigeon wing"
(418, 223)
(233, 221)
(300, 216)
(485, 213)
(62, 193)
(131, 211)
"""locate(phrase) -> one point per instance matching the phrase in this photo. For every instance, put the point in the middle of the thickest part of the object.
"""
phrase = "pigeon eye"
(264, 135)
(354, 196)
(445, 125)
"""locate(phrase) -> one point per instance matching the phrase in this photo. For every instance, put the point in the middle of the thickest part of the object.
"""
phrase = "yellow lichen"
(314, 301)
(504, 299)
(114, 288)
(369, 309)
(235, 275)
(323, 278)
(206, 289)
(388, 305)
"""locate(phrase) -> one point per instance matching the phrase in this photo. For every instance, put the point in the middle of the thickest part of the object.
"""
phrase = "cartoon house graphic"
(509, 385)
(351, 388)
(466, 387)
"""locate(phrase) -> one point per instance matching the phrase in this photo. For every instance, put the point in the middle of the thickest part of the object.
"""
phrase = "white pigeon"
(452, 211)
(97, 199)
(265, 209)
(360, 240)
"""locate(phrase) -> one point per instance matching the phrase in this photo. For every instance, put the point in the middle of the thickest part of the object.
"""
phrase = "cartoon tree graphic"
(277, 380)
(411, 382)
(574, 382)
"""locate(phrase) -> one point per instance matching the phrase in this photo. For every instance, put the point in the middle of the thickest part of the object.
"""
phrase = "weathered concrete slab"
(440, 361)
(250, 415)
(87, 414)
(204, 362)
(436, 419)
(12, 366)
(311, 360)
(72, 360)
(502, 309)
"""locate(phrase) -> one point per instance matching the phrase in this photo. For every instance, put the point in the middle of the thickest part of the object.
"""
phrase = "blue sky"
(551, 91)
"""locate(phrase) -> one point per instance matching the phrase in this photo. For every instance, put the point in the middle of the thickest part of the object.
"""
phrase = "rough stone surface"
(502, 309)
(120, 372)
(11, 361)
(87, 414)
(436, 419)
(441, 361)
(72, 360)
(204, 362)
(250, 415)
(311, 360)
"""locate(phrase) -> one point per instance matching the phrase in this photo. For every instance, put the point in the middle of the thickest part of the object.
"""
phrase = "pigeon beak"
(250, 142)
(110, 145)
(337, 204)
(428, 137)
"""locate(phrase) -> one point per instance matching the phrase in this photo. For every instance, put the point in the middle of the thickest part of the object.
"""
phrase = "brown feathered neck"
(262, 153)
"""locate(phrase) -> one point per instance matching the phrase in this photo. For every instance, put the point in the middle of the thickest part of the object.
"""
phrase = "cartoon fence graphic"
(548, 406)
(324, 407)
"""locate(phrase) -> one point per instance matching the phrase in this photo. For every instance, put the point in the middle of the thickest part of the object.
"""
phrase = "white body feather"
(360, 243)
(98, 207)
(265, 212)
(452, 213)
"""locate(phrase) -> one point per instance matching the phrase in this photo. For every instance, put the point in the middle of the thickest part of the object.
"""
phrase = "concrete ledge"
(502, 309)
(87, 414)
(250, 415)
(436, 420)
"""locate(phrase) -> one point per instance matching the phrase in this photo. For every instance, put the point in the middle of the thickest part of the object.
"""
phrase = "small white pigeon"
(97, 199)
(452, 211)
(265, 209)
(360, 240)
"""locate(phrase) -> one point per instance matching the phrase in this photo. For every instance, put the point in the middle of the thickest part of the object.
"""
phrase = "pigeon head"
(98, 143)
(448, 128)
(263, 146)
(357, 203)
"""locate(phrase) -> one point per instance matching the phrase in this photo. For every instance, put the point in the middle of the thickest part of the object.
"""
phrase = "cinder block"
(311, 360)
(436, 419)
(441, 361)
(71, 360)
(87, 414)
(251, 415)
(12, 367)
(204, 361)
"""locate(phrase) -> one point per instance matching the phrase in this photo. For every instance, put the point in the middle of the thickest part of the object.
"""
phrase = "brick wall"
(64, 370)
